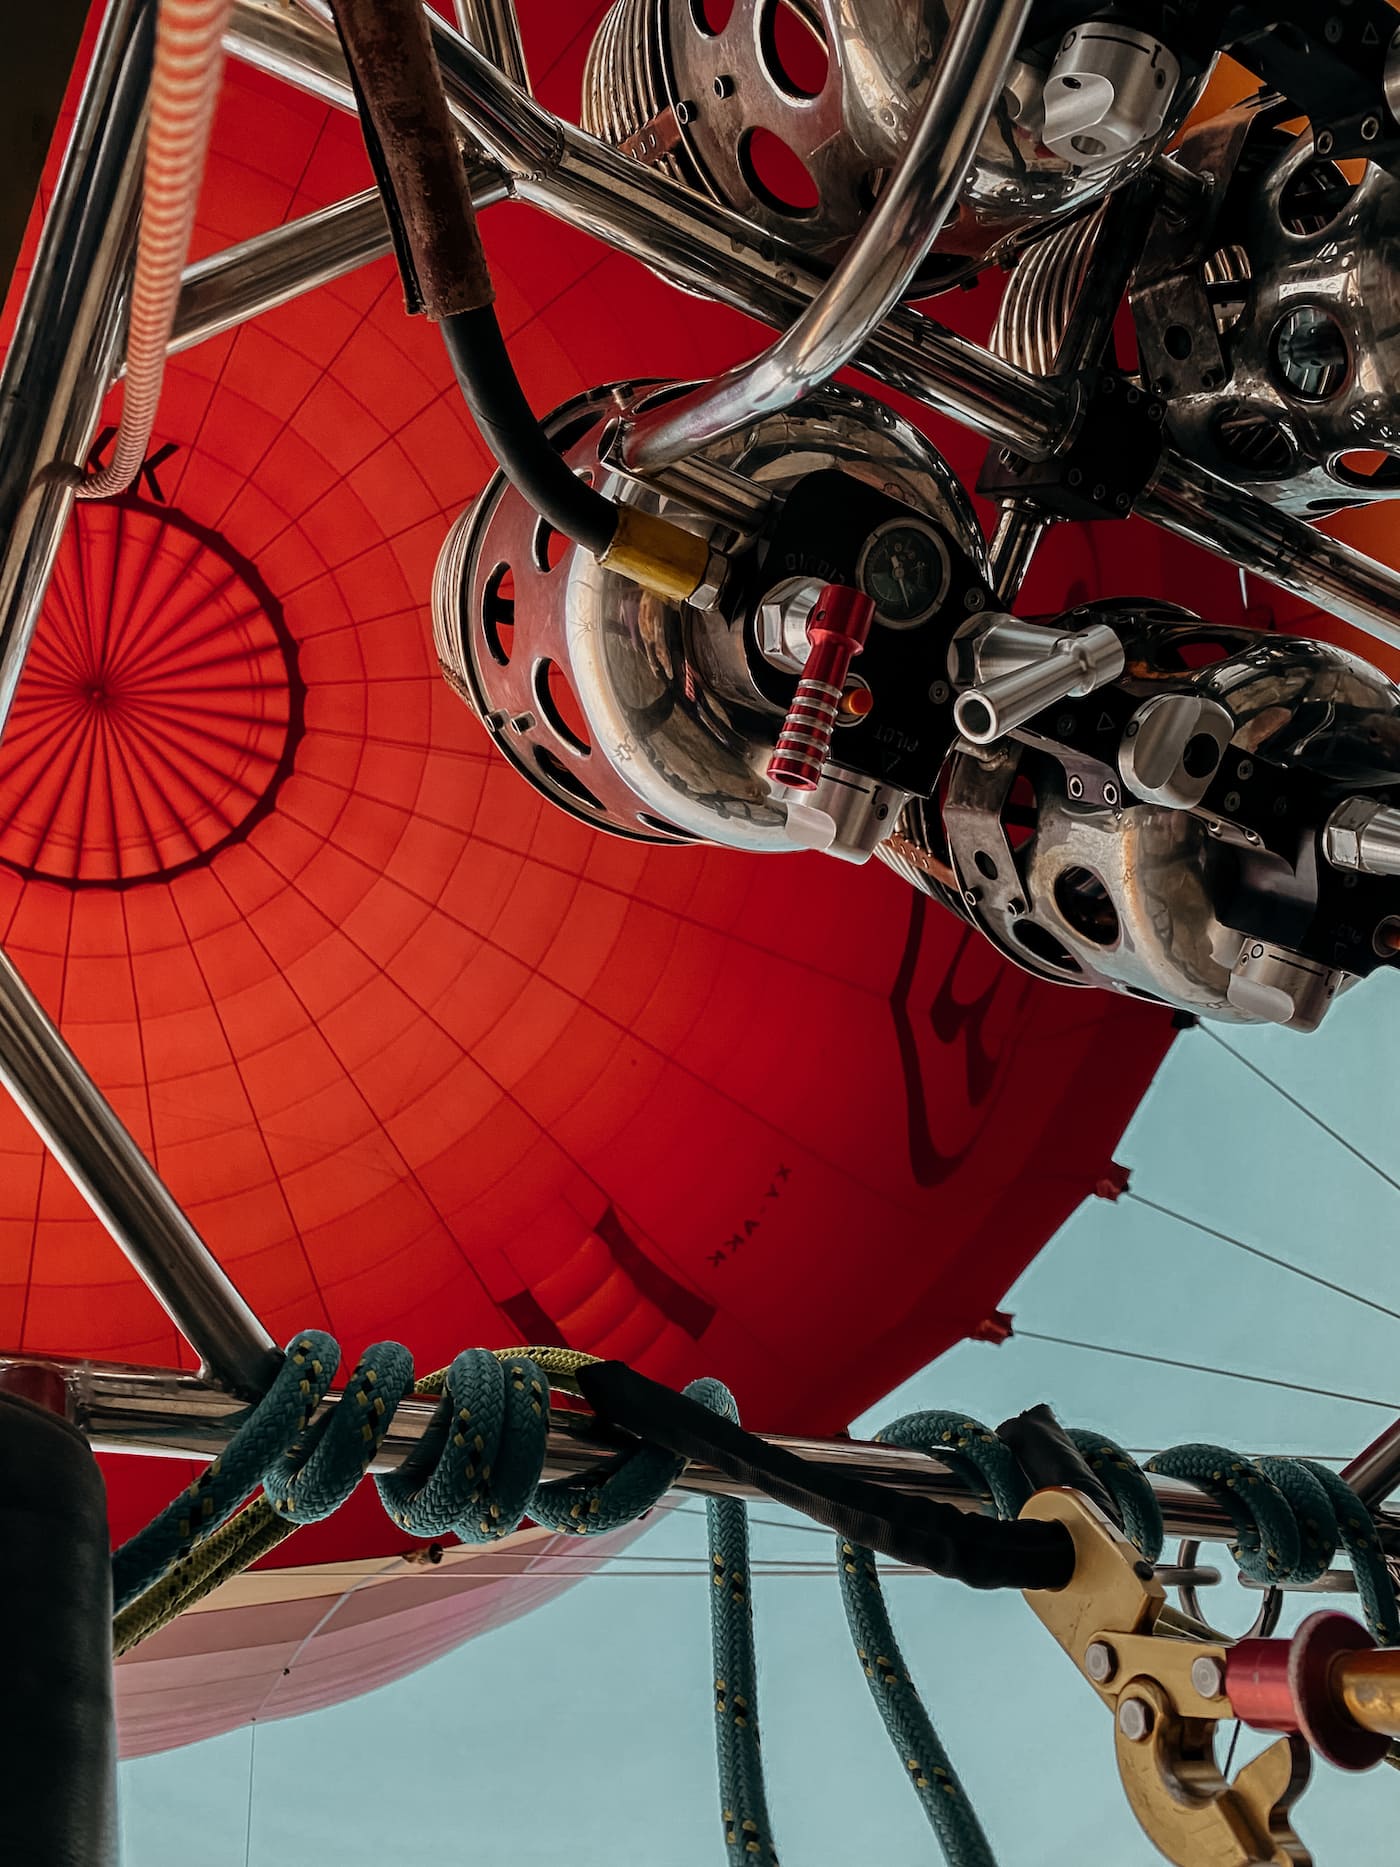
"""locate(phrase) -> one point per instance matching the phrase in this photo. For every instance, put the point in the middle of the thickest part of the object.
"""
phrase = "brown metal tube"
(396, 73)
(1368, 1684)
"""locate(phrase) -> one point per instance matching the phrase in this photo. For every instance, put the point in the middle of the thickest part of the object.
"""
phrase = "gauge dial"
(904, 570)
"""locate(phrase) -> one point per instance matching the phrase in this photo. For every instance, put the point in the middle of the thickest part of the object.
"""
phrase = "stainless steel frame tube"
(703, 248)
(273, 268)
(1374, 1473)
(493, 28)
(66, 341)
(69, 326)
(690, 241)
(1194, 504)
(878, 267)
(259, 274)
(156, 1412)
(84, 1134)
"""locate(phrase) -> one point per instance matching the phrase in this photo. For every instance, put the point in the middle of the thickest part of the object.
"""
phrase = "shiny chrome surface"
(1117, 890)
(1020, 668)
(696, 244)
(844, 105)
(1375, 1472)
(157, 1412)
(703, 248)
(678, 736)
(880, 264)
(492, 27)
(1108, 95)
(68, 332)
(81, 1130)
(1301, 268)
(1226, 519)
(1364, 835)
(229, 288)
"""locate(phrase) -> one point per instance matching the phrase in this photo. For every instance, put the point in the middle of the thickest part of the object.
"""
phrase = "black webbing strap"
(980, 1551)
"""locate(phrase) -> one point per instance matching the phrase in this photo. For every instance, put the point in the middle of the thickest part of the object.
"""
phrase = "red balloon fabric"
(422, 1057)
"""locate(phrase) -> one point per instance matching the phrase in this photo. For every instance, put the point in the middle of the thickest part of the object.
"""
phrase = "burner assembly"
(1126, 795)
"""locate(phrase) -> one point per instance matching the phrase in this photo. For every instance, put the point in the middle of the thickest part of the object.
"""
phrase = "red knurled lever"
(837, 630)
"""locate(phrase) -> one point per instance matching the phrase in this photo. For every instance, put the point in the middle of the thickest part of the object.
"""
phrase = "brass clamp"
(1328, 1689)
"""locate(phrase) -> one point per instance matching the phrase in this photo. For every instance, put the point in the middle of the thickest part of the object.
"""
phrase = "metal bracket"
(1167, 1694)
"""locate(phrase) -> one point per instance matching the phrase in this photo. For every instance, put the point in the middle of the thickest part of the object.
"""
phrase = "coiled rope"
(1290, 1516)
(476, 1474)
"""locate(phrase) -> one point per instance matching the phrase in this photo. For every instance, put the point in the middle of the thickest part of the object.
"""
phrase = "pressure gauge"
(904, 570)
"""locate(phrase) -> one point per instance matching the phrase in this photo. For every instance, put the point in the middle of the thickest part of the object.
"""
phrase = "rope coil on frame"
(477, 1472)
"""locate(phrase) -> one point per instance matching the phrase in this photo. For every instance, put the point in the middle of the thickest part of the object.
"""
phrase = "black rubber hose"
(508, 426)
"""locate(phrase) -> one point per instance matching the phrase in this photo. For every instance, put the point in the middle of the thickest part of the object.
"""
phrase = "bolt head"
(1208, 1676)
(1075, 787)
(1135, 1720)
(1100, 1661)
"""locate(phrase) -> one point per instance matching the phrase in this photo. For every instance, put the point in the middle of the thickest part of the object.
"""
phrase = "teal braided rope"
(261, 1441)
(748, 1832)
(1291, 1516)
(1121, 1475)
(968, 1447)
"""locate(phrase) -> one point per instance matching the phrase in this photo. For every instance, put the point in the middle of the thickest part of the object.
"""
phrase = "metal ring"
(1270, 1607)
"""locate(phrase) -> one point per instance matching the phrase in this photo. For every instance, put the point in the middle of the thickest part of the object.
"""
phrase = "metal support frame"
(492, 27)
(704, 248)
(66, 351)
(164, 1413)
(878, 267)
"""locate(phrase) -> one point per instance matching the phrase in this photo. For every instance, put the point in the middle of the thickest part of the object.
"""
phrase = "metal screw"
(1017, 906)
(1064, 725)
(1110, 794)
(685, 112)
(1100, 1661)
(972, 896)
(1135, 1720)
(975, 600)
(1244, 770)
(939, 692)
(1208, 1676)
(1076, 787)
(1230, 802)
(1130, 731)
(1122, 502)
(1370, 129)
(724, 86)
(1075, 477)
(1100, 493)
(1323, 142)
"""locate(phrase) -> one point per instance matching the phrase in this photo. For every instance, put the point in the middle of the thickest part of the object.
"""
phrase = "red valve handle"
(837, 630)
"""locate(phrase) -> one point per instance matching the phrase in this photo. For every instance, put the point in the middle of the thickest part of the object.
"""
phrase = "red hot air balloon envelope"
(422, 1057)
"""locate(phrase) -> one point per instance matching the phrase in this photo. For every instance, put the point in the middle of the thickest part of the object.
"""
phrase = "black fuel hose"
(418, 165)
(508, 426)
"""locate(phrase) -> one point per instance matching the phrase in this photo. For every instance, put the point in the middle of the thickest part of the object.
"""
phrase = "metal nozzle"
(1364, 835)
(1066, 665)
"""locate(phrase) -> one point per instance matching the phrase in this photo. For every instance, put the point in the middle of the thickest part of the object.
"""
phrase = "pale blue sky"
(583, 1731)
